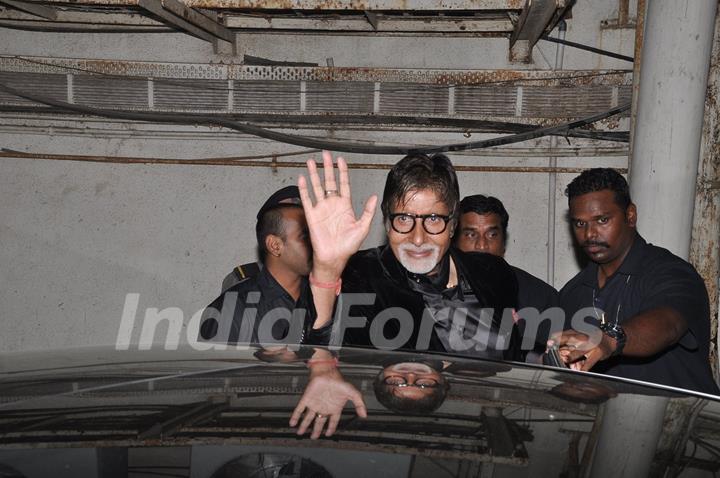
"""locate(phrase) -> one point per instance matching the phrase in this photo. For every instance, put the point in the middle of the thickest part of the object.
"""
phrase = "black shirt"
(536, 294)
(650, 277)
(262, 313)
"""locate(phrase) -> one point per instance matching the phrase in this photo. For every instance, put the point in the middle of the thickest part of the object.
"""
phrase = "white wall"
(77, 237)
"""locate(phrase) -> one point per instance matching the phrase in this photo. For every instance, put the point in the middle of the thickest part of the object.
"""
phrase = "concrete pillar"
(666, 141)
(629, 434)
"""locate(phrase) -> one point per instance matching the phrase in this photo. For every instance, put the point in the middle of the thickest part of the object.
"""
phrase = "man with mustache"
(651, 306)
(417, 292)
(483, 227)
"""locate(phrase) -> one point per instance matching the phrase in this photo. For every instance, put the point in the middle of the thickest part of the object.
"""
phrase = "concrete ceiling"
(217, 21)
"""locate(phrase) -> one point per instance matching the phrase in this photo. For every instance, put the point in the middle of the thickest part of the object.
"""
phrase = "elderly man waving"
(417, 292)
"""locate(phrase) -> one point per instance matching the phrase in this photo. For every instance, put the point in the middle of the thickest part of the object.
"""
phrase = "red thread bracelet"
(312, 362)
(327, 285)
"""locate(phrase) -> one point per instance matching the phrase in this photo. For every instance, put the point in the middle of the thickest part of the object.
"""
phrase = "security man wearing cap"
(275, 305)
(286, 195)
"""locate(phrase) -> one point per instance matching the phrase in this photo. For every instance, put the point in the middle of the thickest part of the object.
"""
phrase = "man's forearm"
(324, 297)
(653, 331)
(646, 334)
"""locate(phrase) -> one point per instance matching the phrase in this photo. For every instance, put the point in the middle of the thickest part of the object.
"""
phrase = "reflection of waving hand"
(323, 401)
(335, 232)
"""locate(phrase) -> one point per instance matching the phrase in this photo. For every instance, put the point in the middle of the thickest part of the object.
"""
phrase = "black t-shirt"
(650, 277)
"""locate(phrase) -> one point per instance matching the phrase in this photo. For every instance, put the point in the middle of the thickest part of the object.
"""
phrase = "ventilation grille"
(564, 102)
(341, 97)
(414, 99)
(276, 96)
(361, 98)
(478, 100)
(109, 93)
(50, 85)
(624, 95)
(191, 95)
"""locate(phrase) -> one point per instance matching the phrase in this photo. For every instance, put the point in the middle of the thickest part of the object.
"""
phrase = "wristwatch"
(616, 332)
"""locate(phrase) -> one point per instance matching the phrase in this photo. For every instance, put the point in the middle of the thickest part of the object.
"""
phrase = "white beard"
(419, 266)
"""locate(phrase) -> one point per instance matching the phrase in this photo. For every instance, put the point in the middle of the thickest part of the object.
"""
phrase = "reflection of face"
(413, 373)
(296, 254)
(602, 228)
(481, 233)
(418, 251)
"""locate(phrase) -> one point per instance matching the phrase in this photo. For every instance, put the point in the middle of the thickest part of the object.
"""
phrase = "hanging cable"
(5, 153)
(319, 121)
(580, 46)
(314, 143)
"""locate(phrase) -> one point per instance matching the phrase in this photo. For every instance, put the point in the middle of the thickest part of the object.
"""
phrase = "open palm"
(335, 232)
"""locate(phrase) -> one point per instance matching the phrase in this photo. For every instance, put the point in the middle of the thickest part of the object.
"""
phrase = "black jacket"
(377, 271)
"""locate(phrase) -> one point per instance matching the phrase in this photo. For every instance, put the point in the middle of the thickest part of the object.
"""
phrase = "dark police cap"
(289, 195)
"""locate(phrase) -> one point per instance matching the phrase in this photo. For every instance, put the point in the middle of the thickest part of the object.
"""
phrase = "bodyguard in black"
(275, 305)
(650, 278)
(651, 305)
(483, 227)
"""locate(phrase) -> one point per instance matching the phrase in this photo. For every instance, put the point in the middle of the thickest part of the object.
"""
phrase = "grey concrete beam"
(384, 24)
(537, 17)
(79, 19)
(198, 19)
(33, 8)
(316, 5)
(155, 7)
(178, 15)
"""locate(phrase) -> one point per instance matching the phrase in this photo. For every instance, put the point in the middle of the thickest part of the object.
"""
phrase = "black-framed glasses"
(404, 222)
(421, 383)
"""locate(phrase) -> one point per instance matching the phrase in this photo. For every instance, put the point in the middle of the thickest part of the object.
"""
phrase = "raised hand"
(335, 232)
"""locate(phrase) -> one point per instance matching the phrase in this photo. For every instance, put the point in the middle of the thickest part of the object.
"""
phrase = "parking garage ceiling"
(522, 21)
